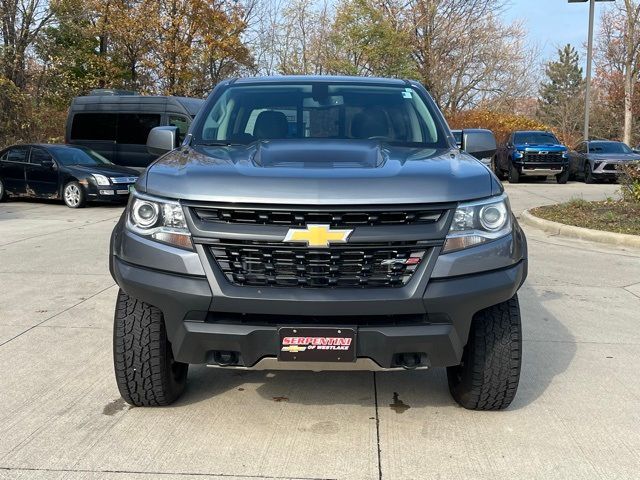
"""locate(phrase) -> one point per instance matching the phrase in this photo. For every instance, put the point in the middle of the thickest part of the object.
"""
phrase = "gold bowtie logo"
(317, 235)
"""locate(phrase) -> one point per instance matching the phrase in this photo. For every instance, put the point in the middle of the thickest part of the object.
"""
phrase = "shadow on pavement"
(542, 361)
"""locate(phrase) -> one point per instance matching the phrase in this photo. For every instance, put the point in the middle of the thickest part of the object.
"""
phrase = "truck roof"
(320, 79)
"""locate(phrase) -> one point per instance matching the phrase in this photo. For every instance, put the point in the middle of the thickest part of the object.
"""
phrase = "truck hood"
(534, 147)
(319, 172)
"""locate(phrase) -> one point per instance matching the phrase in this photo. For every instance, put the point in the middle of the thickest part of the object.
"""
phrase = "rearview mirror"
(162, 140)
(479, 143)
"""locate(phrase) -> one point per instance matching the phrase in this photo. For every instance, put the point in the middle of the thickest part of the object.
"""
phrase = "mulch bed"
(609, 215)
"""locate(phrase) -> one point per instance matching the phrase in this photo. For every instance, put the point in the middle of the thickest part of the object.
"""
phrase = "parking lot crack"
(375, 397)
(155, 474)
(57, 314)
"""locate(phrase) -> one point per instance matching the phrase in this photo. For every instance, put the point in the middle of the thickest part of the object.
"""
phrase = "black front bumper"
(198, 326)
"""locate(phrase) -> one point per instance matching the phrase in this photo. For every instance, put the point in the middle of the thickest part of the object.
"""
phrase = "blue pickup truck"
(532, 154)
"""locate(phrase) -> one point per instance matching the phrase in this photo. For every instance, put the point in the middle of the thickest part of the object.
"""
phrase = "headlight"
(518, 154)
(100, 179)
(479, 222)
(163, 220)
(565, 155)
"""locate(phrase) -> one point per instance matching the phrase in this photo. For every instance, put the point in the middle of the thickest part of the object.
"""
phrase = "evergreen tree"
(561, 102)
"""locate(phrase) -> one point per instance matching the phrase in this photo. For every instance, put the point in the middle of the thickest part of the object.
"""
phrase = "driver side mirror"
(162, 140)
(479, 143)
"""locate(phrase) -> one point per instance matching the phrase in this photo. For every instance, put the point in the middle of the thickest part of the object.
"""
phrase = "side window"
(134, 128)
(38, 155)
(3, 156)
(17, 154)
(182, 123)
(94, 126)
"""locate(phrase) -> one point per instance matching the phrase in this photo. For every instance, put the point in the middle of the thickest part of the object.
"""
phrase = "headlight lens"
(518, 155)
(162, 220)
(565, 155)
(479, 222)
(145, 214)
(100, 179)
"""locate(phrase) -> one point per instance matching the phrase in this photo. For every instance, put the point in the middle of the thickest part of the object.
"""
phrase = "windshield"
(535, 138)
(393, 114)
(69, 155)
(609, 147)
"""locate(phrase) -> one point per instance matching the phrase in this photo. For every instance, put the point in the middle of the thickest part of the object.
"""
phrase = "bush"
(500, 123)
(630, 181)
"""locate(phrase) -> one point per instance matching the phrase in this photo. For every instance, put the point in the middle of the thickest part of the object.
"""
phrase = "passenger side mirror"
(48, 164)
(162, 140)
(479, 143)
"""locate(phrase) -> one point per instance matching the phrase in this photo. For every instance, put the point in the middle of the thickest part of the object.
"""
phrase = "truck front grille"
(295, 217)
(552, 157)
(353, 266)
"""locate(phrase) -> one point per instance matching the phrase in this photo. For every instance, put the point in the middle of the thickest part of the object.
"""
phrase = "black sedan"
(73, 173)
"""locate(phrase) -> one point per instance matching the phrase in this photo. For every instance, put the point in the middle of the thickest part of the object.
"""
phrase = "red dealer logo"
(300, 344)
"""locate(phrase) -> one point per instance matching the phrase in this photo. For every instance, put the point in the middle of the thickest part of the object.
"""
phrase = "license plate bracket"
(317, 344)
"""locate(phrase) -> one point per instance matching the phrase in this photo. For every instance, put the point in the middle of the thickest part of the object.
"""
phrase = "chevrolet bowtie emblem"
(317, 235)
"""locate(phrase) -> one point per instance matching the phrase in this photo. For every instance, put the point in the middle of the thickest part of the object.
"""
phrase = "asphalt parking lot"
(576, 415)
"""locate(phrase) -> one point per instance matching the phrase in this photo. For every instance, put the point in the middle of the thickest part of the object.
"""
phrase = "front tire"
(488, 375)
(563, 177)
(588, 174)
(73, 195)
(514, 174)
(496, 169)
(3, 192)
(146, 373)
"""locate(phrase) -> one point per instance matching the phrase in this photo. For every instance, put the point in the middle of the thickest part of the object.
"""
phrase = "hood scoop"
(318, 154)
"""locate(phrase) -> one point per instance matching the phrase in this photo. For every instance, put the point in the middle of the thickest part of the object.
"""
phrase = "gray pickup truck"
(318, 223)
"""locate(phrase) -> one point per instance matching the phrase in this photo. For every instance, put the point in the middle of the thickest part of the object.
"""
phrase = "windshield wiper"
(217, 144)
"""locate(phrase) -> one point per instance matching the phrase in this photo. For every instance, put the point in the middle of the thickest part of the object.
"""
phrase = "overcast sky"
(554, 23)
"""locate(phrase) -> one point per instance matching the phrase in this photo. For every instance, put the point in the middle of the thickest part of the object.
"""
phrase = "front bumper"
(605, 170)
(438, 328)
(541, 168)
(107, 193)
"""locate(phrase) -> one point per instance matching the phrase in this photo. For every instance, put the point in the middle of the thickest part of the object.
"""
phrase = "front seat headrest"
(271, 124)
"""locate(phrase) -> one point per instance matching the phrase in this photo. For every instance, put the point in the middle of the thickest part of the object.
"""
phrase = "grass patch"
(617, 216)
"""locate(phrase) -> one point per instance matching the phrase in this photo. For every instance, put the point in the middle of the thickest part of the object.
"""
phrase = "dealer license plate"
(317, 344)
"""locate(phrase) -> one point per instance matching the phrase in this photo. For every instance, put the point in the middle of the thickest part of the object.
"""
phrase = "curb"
(570, 231)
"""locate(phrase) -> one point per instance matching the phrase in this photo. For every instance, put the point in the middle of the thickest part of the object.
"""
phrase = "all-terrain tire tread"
(139, 352)
(494, 357)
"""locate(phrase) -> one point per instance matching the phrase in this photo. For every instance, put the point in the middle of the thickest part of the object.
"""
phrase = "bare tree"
(464, 53)
(21, 21)
(618, 53)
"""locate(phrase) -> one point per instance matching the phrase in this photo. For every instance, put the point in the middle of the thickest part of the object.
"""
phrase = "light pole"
(587, 93)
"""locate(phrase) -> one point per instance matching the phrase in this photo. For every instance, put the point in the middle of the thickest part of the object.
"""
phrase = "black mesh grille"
(253, 264)
(540, 157)
(294, 218)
